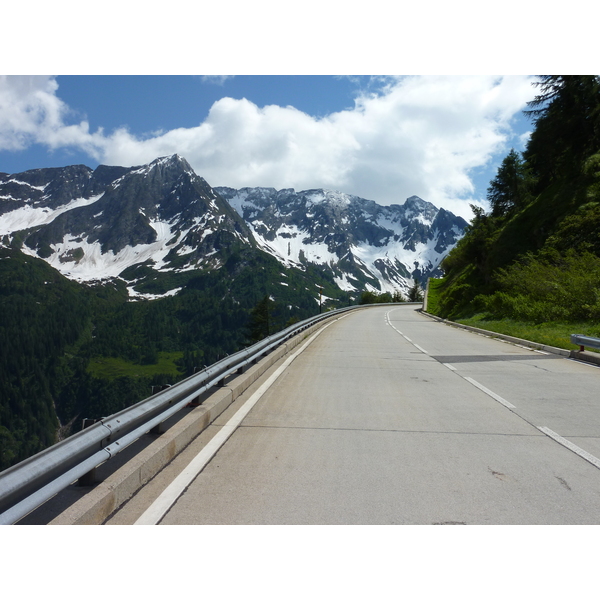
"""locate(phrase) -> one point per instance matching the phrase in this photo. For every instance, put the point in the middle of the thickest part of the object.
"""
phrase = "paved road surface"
(390, 417)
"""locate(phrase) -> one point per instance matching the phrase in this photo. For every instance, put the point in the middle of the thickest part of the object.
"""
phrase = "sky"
(384, 138)
(130, 83)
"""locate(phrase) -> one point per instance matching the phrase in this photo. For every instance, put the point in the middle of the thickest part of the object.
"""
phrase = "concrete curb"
(582, 356)
(96, 506)
(589, 357)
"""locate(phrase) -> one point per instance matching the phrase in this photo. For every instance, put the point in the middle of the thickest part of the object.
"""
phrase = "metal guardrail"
(28, 484)
(584, 340)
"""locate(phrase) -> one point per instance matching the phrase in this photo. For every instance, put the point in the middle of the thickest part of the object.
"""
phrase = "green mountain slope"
(73, 351)
(536, 255)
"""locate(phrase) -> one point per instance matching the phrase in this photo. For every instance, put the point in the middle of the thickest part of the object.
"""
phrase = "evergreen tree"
(367, 297)
(509, 189)
(415, 294)
(567, 125)
(260, 316)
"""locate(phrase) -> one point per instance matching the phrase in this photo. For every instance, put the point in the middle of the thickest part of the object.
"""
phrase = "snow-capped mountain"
(94, 224)
(146, 222)
(362, 243)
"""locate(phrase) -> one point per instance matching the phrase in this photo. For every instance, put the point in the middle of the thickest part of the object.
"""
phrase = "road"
(390, 417)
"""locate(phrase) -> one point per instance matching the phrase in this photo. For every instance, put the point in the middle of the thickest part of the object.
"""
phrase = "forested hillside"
(535, 255)
(71, 351)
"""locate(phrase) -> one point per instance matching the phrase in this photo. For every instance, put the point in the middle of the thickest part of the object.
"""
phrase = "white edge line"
(567, 444)
(490, 393)
(157, 510)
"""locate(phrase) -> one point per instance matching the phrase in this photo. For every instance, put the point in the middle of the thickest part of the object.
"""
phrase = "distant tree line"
(415, 294)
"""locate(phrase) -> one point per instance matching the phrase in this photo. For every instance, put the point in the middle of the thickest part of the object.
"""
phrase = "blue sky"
(132, 90)
(382, 138)
(145, 104)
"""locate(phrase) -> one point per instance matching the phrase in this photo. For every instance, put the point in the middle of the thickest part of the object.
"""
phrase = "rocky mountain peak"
(111, 221)
(161, 214)
(361, 242)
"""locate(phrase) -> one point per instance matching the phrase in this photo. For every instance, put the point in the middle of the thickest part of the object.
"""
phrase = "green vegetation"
(71, 351)
(41, 315)
(434, 290)
(531, 266)
(550, 333)
(415, 294)
(167, 363)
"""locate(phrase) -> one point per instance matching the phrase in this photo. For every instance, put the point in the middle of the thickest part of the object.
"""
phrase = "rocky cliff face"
(92, 225)
(100, 224)
(362, 243)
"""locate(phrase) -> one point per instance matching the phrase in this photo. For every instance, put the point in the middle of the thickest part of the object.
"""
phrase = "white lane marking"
(490, 393)
(471, 381)
(157, 510)
(567, 444)
(387, 318)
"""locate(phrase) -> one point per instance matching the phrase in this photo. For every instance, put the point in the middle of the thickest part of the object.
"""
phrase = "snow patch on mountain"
(165, 216)
(291, 246)
(78, 259)
(29, 216)
(40, 188)
(358, 240)
(344, 284)
(135, 295)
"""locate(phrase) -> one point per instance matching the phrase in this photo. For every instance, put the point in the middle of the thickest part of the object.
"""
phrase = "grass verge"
(550, 334)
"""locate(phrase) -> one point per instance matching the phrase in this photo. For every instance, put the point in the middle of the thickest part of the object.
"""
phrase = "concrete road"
(390, 417)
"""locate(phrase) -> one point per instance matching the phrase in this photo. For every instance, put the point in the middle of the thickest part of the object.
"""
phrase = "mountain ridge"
(96, 224)
(380, 247)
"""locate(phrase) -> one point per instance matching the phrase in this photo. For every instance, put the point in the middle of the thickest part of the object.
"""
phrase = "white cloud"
(26, 104)
(31, 112)
(524, 138)
(416, 135)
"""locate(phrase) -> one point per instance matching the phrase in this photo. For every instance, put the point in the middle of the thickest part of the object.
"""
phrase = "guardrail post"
(90, 477)
(158, 429)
